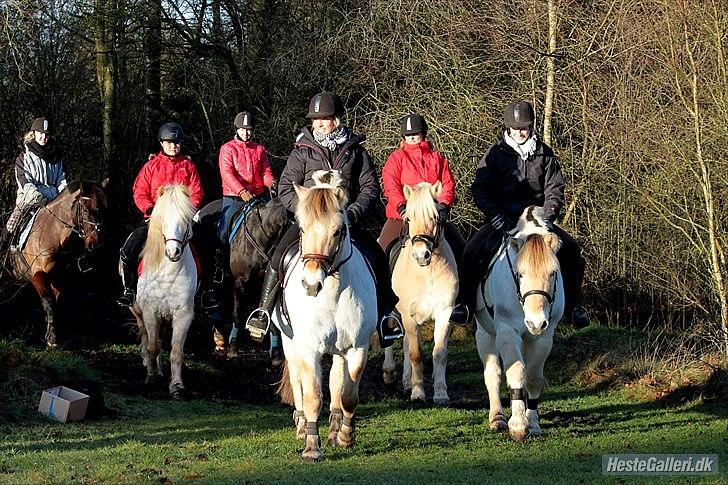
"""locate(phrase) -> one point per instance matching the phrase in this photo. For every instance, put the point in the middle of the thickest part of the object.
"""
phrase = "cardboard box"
(63, 404)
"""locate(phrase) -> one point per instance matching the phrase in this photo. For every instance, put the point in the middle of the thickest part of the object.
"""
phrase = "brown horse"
(72, 217)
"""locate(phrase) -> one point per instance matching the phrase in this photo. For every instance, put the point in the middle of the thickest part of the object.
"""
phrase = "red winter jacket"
(244, 165)
(410, 165)
(160, 170)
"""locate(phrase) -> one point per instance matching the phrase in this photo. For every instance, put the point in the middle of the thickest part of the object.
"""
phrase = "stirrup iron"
(255, 332)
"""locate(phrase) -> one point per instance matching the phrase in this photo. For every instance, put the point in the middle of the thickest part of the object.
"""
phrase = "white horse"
(425, 280)
(328, 306)
(518, 307)
(167, 284)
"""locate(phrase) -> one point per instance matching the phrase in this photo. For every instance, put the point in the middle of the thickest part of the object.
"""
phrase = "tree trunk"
(106, 76)
(153, 76)
(550, 74)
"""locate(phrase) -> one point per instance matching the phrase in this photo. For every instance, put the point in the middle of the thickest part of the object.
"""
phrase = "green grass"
(154, 440)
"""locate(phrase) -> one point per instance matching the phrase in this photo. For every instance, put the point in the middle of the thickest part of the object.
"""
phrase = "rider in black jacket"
(329, 145)
(519, 171)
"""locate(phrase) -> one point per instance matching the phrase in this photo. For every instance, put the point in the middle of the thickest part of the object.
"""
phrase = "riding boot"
(209, 299)
(276, 350)
(259, 320)
(5, 239)
(129, 280)
(460, 314)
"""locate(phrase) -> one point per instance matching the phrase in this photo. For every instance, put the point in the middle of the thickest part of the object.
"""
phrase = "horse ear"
(105, 183)
(436, 190)
(407, 190)
(517, 243)
(552, 241)
(161, 190)
(186, 191)
(300, 191)
(340, 196)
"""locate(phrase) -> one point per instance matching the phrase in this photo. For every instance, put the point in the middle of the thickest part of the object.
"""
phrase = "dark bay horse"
(71, 220)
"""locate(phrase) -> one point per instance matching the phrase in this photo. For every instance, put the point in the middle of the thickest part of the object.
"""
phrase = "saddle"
(20, 237)
(237, 218)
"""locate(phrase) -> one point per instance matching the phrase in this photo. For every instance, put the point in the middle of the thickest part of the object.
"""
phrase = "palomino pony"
(521, 301)
(425, 280)
(328, 306)
(167, 283)
(74, 216)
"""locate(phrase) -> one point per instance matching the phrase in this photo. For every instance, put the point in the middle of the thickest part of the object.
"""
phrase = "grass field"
(231, 429)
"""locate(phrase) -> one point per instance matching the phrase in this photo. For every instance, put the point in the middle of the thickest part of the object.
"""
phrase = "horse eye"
(337, 233)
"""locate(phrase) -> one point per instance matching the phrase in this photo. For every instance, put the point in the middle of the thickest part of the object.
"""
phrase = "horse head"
(536, 269)
(87, 208)
(322, 219)
(421, 213)
(170, 225)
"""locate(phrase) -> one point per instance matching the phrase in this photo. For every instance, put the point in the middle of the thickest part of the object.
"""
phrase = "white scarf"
(333, 139)
(526, 149)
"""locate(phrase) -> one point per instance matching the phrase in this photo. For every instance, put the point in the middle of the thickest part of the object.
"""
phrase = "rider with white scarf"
(516, 172)
(39, 173)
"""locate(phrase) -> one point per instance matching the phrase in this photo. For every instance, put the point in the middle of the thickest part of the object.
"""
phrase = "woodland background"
(632, 95)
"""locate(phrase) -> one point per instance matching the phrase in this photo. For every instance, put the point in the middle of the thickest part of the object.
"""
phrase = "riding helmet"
(519, 115)
(171, 132)
(325, 104)
(413, 124)
(244, 119)
(41, 125)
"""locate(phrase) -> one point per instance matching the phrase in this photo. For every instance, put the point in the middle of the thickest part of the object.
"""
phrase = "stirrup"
(390, 333)
(83, 265)
(257, 333)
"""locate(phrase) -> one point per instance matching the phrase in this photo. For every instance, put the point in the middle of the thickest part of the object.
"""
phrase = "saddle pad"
(238, 218)
(23, 238)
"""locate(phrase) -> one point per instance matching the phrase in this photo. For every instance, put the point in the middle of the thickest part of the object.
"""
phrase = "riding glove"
(401, 210)
(443, 212)
(497, 222)
(353, 213)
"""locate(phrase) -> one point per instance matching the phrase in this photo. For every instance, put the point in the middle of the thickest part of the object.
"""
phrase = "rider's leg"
(259, 321)
(572, 270)
(389, 325)
(390, 231)
(460, 314)
(205, 243)
(130, 252)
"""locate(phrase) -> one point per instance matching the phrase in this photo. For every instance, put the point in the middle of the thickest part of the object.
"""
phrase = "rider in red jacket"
(166, 167)
(417, 161)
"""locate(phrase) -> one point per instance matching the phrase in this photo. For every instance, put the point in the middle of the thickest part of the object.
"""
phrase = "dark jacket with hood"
(358, 175)
(506, 184)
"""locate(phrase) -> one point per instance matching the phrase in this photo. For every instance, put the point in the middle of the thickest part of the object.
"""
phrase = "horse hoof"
(389, 377)
(498, 425)
(177, 395)
(417, 395)
(51, 345)
(312, 455)
(345, 439)
(519, 435)
(441, 401)
(534, 431)
(233, 353)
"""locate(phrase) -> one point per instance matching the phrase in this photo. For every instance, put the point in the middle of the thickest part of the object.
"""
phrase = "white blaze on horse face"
(320, 239)
(536, 307)
(175, 237)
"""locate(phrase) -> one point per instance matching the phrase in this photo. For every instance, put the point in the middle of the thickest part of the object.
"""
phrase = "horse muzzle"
(313, 277)
(538, 327)
(173, 254)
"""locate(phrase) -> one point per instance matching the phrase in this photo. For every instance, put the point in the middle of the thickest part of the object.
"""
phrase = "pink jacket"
(244, 165)
(410, 165)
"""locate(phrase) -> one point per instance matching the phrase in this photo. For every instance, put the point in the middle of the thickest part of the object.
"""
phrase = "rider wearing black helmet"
(516, 172)
(167, 166)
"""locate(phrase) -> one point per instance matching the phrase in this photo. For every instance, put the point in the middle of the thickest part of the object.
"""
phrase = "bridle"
(431, 242)
(328, 262)
(182, 242)
(78, 226)
(550, 297)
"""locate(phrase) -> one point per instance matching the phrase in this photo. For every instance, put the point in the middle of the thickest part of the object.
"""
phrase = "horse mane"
(536, 257)
(321, 200)
(423, 209)
(173, 203)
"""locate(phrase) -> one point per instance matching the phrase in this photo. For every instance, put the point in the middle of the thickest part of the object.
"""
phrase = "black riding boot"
(259, 320)
(5, 239)
(211, 284)
(129, 280)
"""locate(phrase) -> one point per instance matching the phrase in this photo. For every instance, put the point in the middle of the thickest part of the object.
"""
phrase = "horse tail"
(285, 391)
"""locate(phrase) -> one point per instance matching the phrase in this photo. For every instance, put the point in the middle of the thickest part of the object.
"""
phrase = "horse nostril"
(544, 325)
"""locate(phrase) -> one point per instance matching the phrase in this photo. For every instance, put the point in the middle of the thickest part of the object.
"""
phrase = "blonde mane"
(422, 210)
(173, 202)
(537, 257)
(322, 201)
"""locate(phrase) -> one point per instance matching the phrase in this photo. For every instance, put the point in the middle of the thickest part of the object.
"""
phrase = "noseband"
(327, 262)
(183, 242)
(431, 242)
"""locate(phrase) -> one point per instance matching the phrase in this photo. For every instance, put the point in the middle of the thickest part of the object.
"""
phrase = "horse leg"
(414, 351)
(439, 359)
(41, 283)
(492, 377)
(143, 339)
(294, 378)
(509, 344)
(354, 364)
(406, 365)
(536, 353)
(153, 345)
(310, 372)
(336, 384)
(180, 325)
(389, 373)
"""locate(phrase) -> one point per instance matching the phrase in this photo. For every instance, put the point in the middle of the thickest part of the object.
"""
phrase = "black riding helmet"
(412, 124)
(244, 119)
(519, 115)
(325, 104)
(171, 132)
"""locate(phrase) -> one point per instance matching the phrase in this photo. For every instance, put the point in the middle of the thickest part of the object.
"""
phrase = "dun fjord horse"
(518, 308)
(328, 306)
(167, 283)
(425, 280)
(75, 215)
